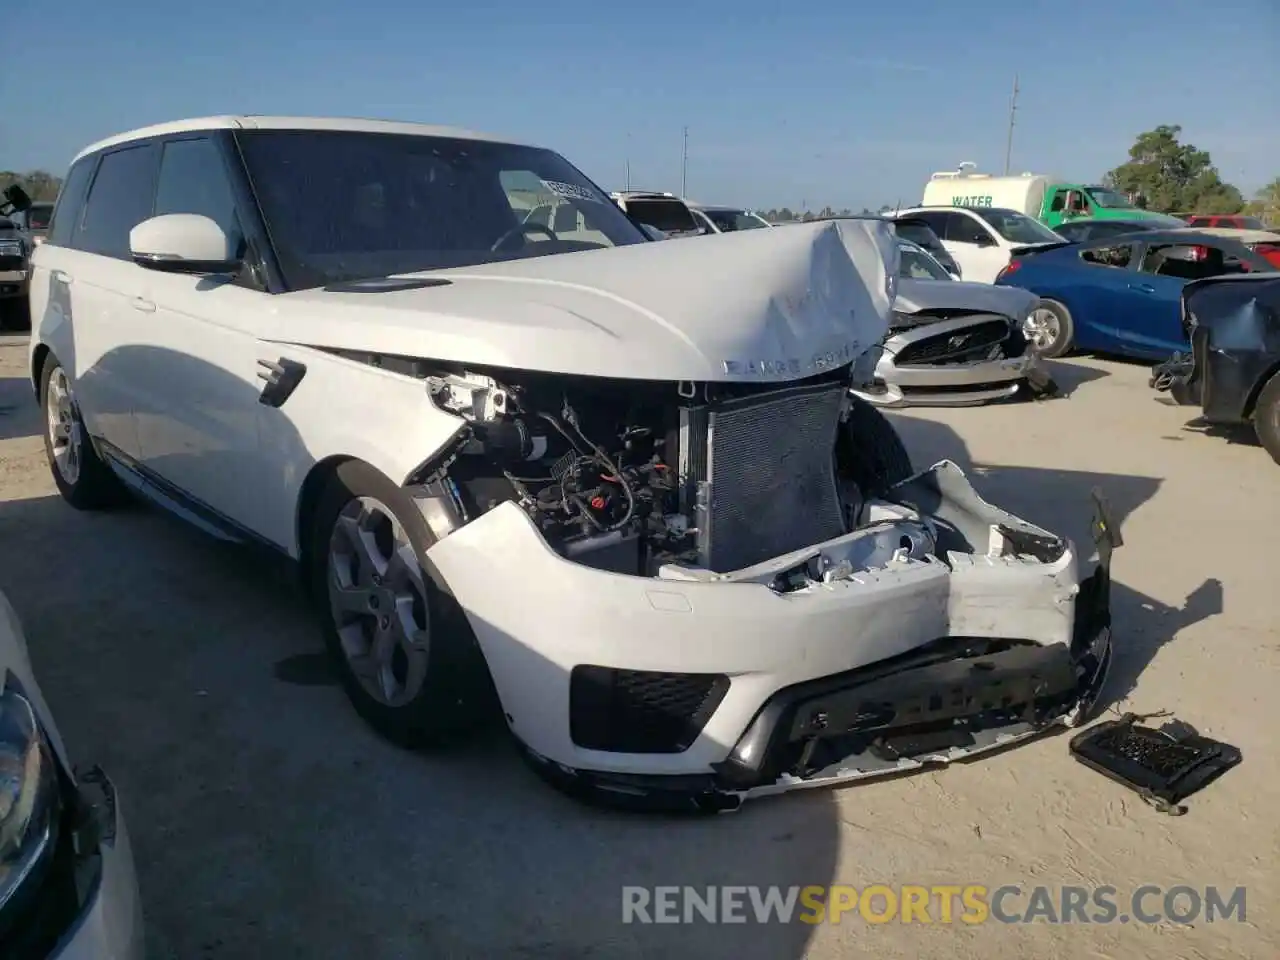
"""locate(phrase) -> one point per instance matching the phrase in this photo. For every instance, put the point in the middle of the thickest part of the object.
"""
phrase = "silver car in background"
(952, 343)
(67, 884)
(720, 219)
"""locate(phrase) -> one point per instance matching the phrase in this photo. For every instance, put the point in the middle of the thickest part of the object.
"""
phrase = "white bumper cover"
(537, 616)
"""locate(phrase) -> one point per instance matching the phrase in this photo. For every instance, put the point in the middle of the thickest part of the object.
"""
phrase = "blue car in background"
(1121, 294)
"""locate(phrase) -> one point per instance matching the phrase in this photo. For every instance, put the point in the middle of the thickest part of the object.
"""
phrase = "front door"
(1156, 305)
(198, 425)
(974, 246)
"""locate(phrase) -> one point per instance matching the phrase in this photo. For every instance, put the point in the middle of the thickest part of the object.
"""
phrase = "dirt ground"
(268, 822)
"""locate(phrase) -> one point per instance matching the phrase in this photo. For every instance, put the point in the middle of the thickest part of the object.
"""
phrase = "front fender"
(346, 409)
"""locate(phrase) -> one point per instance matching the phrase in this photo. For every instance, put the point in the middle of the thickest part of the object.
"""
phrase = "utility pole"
(628, 177)
(1013, 109)
(684, 166)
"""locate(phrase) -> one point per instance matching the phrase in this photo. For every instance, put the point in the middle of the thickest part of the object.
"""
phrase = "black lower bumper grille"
(966, 346)
(640, 711)
(12, 262)
(924, 701)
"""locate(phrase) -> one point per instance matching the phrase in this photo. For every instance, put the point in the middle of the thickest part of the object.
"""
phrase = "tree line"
(1162, 173)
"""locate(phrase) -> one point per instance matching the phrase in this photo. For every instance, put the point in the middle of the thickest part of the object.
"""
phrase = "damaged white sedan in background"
(615, 491)
(951, 343)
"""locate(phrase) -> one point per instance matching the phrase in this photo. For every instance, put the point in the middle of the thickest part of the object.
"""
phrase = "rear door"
(106, 293)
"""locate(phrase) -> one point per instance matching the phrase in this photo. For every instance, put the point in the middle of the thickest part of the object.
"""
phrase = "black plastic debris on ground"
(1041, 385)
(1163, 765)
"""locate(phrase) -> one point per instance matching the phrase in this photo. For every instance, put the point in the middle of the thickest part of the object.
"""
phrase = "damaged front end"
(955, 344)
(719, 629)
(1233, 324)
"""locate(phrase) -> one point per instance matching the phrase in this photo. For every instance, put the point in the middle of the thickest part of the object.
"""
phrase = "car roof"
(1225, 239)
(253, 122)
(929, 207)
(1088, 221)
(643, 195)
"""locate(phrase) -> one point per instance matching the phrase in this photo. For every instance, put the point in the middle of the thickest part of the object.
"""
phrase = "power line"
(1013, 109)
(684, 166)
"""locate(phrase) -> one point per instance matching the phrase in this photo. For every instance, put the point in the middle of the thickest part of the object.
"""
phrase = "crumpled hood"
(915, 295)
(756, 305)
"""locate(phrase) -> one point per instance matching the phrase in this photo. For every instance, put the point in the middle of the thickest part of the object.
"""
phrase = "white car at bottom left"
(67, 884)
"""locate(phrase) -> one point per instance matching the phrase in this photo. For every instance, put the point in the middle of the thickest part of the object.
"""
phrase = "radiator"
(758, 474)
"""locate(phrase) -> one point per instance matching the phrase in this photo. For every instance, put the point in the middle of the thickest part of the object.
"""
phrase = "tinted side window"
(964, 229)
(119, 200)
(66, 214)
(193, 180)
(936, 220)
(1075, 232)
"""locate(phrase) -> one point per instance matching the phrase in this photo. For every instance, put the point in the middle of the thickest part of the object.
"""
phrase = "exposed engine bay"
(631, 476)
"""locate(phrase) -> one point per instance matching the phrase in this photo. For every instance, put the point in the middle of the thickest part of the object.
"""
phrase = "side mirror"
(983, 240)
(16, 198)
(653, 232)
(182, 243)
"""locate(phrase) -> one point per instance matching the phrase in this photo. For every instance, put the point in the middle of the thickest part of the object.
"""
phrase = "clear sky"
(841, 103)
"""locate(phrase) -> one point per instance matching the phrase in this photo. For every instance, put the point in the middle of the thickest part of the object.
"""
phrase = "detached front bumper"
(108, 925)
(964, 361)
(704, 691)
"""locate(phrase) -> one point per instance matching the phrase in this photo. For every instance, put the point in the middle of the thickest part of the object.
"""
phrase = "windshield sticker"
(571, 191)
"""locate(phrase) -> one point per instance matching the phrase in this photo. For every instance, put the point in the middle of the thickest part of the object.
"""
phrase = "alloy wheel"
(65, 435)
(378, 600)
(1042, 328)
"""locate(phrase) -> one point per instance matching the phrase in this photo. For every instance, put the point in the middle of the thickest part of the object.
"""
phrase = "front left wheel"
(401, 643)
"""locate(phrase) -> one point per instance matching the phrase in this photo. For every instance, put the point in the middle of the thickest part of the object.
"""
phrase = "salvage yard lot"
(268, 821)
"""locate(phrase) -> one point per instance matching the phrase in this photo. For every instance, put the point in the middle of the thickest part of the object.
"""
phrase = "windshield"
(728, 221)
(1109, 199)
(38, 216)
(669, 216)
(1016, 227)
(346, 205)
(918, 265)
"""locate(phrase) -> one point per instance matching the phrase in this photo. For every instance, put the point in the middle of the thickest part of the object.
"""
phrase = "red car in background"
(1232, 222)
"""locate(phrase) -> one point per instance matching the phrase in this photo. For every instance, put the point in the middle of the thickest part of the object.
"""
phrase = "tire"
(869, 451)
(400, 642)
(15, 314)
(1266, 417)
(82, 478)
(1060, 330)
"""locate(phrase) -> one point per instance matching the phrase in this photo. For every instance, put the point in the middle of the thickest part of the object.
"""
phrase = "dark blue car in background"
(1121, 294)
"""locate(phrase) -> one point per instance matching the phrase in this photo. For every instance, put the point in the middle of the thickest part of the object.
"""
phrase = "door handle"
(1142, 287)
(144, 306)
(62, 277)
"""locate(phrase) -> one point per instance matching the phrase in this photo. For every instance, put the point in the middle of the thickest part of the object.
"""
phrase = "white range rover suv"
(615, 491)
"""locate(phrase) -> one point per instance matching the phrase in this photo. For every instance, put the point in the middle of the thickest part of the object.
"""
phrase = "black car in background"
(1082, 231)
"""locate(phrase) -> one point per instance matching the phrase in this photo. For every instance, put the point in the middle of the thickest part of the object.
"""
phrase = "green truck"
(1051, 200)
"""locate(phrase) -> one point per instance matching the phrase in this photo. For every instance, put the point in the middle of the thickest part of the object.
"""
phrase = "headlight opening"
(29, 800)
